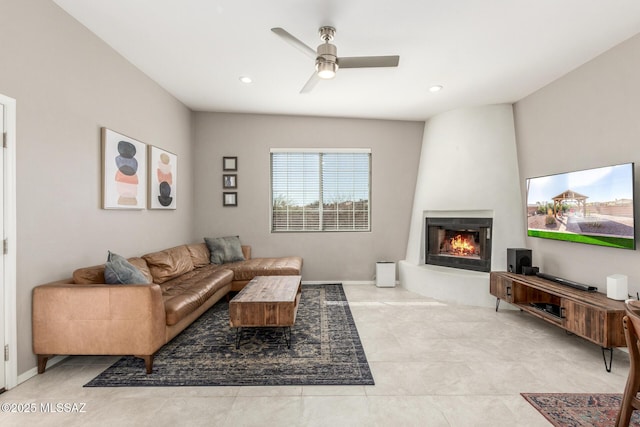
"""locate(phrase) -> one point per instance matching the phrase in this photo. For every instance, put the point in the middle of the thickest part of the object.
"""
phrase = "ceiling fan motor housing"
(327, 52)
(327, 58)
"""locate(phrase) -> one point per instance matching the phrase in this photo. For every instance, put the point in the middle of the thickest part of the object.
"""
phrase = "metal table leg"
(604, 356)
(238, 335)
(287, 339)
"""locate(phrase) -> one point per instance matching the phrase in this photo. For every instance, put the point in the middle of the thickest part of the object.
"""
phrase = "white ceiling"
(481, 51)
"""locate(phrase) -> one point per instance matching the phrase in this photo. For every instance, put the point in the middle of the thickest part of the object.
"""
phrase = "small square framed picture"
(229, 163)
(229, 198)
(230, 181)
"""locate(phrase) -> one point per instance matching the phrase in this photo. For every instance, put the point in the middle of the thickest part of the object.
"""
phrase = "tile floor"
(434, 364)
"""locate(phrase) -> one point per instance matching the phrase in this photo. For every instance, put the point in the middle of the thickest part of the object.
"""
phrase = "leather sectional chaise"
(85, 316)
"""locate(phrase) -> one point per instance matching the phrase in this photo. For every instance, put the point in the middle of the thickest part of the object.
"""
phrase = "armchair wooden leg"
(626, 408)
(629, 401)
(148, 362)
(42, 362)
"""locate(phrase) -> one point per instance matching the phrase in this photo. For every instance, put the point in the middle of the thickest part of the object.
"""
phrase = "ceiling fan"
(326, 57)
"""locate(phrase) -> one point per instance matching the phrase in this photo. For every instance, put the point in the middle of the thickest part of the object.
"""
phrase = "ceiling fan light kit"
(326, 70)
(327, 61)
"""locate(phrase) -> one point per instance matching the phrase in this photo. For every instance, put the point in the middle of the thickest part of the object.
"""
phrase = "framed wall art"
(229, 198)
(230, 181)
(163, 178)
(124, 171)
(229, 163)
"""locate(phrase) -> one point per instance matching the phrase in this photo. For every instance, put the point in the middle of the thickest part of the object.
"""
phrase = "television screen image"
(593, 206)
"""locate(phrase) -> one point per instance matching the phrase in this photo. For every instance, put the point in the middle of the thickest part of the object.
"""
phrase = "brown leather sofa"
(84, 316)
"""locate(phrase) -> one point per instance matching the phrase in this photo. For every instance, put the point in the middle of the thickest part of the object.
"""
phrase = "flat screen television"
(593, 206)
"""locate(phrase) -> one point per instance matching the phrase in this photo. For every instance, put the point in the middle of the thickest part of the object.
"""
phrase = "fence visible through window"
(314, 190)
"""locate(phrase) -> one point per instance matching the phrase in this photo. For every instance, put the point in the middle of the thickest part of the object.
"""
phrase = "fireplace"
(459, 243)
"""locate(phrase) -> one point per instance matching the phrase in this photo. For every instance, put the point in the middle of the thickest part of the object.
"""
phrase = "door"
(501, 287)
(3, 314)
(585, 321)
(8, 316)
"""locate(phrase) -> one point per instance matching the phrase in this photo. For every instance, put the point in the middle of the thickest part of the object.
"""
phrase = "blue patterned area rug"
(579, 409)
(325, 350)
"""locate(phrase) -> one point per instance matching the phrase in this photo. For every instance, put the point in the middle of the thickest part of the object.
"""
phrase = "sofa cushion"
(247, 270)
(183, 295)
(246, 251)
(141, 265)
(119, 271)
(224, 249)
(89, 275)
(199, 254)
(169, 263)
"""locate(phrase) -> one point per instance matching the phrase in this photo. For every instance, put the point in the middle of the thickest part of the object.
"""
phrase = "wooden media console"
(590, 315)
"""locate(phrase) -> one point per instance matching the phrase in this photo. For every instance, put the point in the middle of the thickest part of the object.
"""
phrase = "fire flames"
(462, 245)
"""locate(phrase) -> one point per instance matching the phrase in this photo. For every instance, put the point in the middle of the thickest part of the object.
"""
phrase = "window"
(320, 190)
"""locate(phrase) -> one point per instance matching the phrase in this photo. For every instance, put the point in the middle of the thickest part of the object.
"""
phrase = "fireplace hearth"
(463, 243)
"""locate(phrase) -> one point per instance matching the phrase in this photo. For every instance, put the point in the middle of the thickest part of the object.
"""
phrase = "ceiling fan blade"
(311, 83)
(368, 61)
(286, 36)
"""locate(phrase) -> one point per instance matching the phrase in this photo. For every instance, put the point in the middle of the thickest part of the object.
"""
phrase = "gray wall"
(395, 150)
(68, 84)
(588, 118)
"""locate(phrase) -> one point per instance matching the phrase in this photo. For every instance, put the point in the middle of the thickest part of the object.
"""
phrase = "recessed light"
(246, 79)
(435, 88)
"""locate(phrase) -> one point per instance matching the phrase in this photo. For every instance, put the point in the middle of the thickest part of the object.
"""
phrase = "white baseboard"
(34, 371)
(344, 282)
(359, 282)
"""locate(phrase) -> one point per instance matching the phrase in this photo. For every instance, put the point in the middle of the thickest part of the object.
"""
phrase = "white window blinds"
(313, 190)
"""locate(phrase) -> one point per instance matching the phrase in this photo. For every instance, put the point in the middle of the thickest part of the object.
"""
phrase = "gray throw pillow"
(119, 271)
(224, 249)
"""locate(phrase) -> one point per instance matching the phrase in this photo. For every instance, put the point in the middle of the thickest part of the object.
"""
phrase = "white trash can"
(385, 274)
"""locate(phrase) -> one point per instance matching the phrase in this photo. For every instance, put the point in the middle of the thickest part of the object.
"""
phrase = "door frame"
(9, 280)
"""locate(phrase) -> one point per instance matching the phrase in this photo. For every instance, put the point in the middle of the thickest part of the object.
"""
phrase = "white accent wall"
(586, 119)
(68, 84)
(468, 167)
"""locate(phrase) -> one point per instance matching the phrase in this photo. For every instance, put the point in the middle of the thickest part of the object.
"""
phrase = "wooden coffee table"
(266, 301)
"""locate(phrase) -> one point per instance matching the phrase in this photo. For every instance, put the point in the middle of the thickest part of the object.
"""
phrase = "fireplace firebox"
(459, 243)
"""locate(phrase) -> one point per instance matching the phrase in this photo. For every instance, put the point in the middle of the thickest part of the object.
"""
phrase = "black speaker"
(518, 258)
